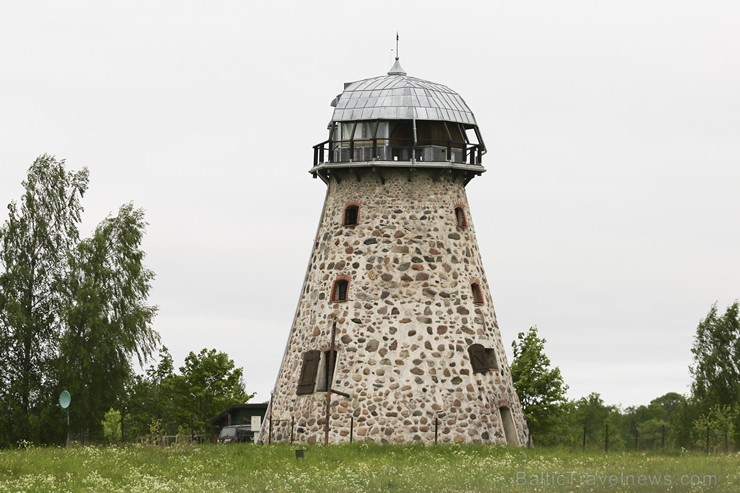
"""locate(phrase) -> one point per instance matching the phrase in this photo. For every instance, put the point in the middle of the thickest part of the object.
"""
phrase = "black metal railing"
(396, 150)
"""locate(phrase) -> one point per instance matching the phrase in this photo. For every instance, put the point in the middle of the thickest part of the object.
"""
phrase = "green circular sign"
(64, 399)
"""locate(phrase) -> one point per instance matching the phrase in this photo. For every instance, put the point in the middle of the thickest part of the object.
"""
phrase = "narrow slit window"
(307, 379)
(351, 215)
(477, 293)
(340, 290)
(460, 217)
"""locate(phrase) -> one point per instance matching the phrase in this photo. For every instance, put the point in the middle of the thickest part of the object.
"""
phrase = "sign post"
(64, 400)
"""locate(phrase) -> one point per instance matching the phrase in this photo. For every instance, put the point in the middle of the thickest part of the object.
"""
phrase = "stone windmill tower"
(395, 336)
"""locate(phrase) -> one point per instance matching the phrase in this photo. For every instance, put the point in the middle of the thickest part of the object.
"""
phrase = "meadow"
(358, 468)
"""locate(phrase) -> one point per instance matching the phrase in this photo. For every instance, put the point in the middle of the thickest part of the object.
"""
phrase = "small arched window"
(351, 215)
(477, 293)
(462, 221)
(340, 290)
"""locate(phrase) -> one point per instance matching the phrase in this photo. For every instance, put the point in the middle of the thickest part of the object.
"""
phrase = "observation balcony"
(397, 150)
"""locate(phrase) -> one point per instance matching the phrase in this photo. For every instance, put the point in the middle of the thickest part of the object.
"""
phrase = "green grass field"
(357, 468)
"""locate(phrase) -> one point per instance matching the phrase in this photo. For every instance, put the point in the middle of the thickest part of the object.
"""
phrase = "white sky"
(608, 216)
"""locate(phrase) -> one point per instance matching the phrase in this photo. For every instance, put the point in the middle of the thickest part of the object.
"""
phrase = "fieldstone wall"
(403, 335)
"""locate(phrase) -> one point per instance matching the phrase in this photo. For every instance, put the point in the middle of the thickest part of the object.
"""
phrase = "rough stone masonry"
(395, 338)
(404, 331)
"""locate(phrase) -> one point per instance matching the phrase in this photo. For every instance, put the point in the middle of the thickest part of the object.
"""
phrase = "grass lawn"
(359, 467)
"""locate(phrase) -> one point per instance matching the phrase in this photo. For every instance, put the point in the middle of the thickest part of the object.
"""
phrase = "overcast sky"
(609, 215)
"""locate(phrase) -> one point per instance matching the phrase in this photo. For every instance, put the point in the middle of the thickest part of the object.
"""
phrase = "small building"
(239, 414)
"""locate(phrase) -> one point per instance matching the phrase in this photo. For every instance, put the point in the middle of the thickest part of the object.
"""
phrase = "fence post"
(436, 429)
(583, 447)
(707, 439)
(662, 438)
(269, 430)
(351, 428)
(637, 435)
(606, 439)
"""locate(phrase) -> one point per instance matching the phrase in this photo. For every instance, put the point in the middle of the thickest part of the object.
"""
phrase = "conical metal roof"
(397, 96)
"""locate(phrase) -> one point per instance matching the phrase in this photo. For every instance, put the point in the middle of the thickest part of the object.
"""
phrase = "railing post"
(375, 148)
(292, 423)
(436, 429)
(331, 153)
(351, 428)
(449, 150)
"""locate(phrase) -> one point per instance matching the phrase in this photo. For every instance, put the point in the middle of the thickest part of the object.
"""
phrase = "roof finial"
(397, 69)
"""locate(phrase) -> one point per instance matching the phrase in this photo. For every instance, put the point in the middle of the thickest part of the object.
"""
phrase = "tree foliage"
(540, 387)
(73, 312)
(34, 244)
(716, 350)
(209, 382)
(715, 389)
(165, 402)
(111, 425)
(108, 319)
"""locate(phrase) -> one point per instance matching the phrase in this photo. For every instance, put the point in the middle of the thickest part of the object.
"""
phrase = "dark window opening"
(460, 217)
(477, 293)
(507, 421)
(339, 292)
(491, 359)
(326, 370)
(307, 379)
(351, 215)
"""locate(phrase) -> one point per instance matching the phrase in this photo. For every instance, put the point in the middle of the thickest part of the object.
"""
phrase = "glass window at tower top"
(403, 140)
